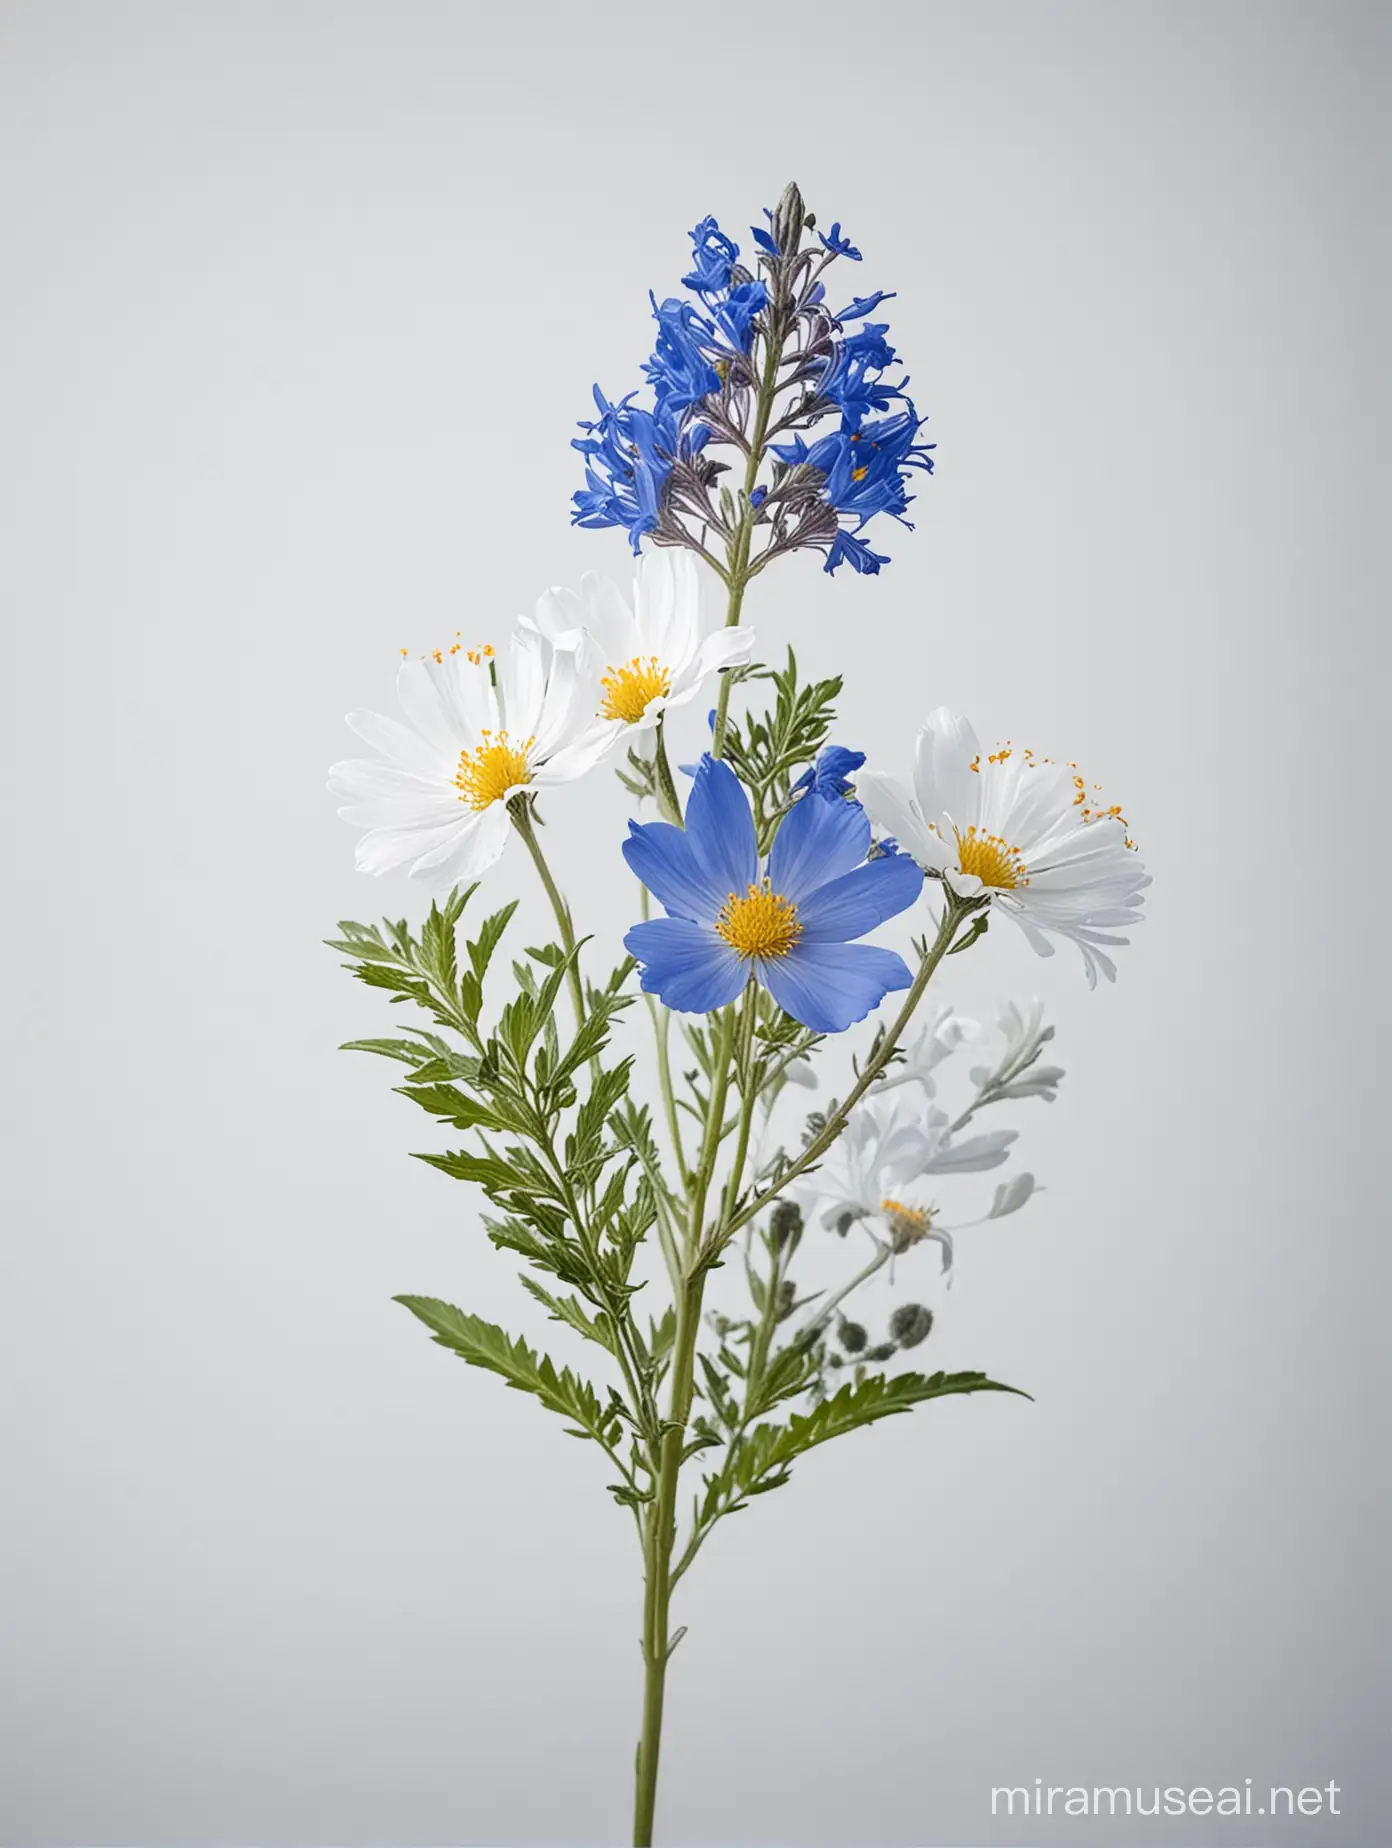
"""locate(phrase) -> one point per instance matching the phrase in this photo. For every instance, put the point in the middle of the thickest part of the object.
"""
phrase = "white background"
(302, 301)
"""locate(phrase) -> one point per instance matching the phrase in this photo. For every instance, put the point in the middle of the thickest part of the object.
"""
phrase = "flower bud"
(885, 1351)
(910, 1324)
(851, 1336)
(788, 217)
(785, 1225)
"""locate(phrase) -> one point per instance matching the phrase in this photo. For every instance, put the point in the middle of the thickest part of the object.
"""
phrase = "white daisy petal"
(944, 780)
(891, 807)
(399, 743)
(469, 853)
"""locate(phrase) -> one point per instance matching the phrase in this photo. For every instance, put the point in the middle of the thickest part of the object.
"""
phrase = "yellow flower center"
(907, 1224)
(628, 689)
(486, 775)
(759, 924)
(993, 861)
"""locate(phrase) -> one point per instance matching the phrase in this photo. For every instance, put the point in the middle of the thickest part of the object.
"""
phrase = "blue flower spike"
(843, 444)
(791, 929)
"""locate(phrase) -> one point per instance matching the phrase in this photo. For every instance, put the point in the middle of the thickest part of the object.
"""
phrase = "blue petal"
(687, 966)
(847, 907)
(829, 986)
(720, 827)
(663, 859)
(819, 840)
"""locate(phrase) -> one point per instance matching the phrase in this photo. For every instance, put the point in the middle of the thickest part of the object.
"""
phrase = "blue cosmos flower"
(831, 774)
(793, 930)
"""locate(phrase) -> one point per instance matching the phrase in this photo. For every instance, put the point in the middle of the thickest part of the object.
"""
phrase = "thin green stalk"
(657, 1645)
(522, 821)
(667, 804)
(749, 1097)
(662, 1029)
(883, 1254)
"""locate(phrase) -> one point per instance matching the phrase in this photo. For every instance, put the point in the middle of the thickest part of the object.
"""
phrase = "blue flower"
(865, 468)
(714, 256)
(630, 451)
(847, 549)
(628, 456)
(831, 773)
(793, 930)
(866, 304)
(839, 246)
(679, 372)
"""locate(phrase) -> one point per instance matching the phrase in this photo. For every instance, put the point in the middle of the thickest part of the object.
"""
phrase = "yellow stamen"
(628, 689)
(759, 924)
(907, 1224)
(486, 775)
(993, 861)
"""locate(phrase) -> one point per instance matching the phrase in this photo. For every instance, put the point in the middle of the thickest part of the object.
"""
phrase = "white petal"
(420, 701)
(384, 849)
(887, 802)
(470, 853)
(944, 781)
(401, 745)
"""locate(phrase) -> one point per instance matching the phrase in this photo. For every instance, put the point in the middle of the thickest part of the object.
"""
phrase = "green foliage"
(765, 748)
(761, 1458)
(484, 1344)
(572, 1172)
(425, 969)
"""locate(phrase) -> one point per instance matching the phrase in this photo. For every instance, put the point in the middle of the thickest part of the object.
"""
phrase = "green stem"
(522, 821)
(661, 1018)
(663, 1508)
(667, 804)
(749, 1097)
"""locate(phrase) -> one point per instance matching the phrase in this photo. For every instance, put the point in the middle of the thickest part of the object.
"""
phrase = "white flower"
(1017, 1073)
(653, 655)
(483, 728)
(936, 1040)
(1024, 831)
(871, 1172)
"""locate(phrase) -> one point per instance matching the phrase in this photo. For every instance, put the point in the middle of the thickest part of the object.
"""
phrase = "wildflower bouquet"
(774, 423)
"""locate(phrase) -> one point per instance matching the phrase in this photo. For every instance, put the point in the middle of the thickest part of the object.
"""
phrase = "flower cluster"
(787, 853)
(761, 364)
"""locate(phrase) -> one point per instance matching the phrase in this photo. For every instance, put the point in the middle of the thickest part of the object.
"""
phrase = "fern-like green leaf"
(484, 1344)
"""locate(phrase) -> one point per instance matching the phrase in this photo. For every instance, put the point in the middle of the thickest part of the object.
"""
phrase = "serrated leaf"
(571, 1310)
(484, 1344)
(490, 934)
(772, 1448)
